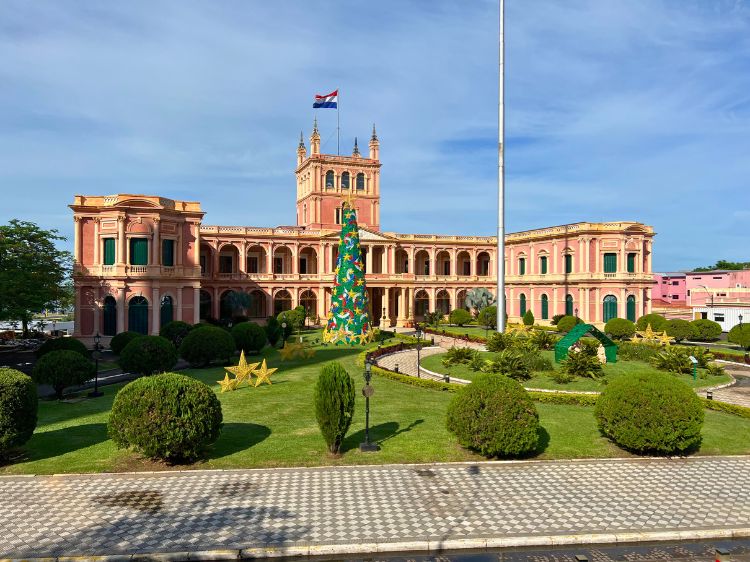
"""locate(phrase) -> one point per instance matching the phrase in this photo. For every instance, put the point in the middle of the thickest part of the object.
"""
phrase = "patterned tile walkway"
(369, 506)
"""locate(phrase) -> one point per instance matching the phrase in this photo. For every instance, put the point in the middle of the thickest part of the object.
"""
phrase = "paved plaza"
(370, 509)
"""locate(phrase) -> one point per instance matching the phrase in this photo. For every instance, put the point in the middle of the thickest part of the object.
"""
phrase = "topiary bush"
(62, 344)
(706, 330)
(657, 321)
(61, 369)
(206, 344)
(460, 316)
(567, 323)
(620, 328)
(650, 413)
(249, 337)
(495, 416)
(18, 409)
(488, 316)
(582, 364)
(147, 355)
(679, 329)
(118, 342)
(740, 335)
(334, 404)
(509, 362)
(169, 416)
(273, 331)
(528, 318)
(175, 331)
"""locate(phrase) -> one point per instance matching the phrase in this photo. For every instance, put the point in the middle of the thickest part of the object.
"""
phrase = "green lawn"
(273, 426)
(542, 380)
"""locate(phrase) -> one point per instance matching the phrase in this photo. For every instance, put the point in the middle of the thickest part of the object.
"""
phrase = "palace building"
(143, 260)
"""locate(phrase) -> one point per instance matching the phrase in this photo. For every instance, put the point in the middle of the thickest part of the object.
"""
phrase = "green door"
(109, 324)
(631, 263)
(521, 266)
(522, 305)
(569, 305)
(167, 311)
(109, 251)
(568, 263)
(138, 251)
(631, 308)
(545, 307)
(610, 307)
(138, 315)
(543, 265)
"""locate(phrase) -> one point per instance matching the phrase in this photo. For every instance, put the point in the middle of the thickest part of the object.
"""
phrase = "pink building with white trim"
(142, 260)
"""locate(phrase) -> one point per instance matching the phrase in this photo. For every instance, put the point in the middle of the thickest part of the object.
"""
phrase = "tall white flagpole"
(501, 176)
(338, 123)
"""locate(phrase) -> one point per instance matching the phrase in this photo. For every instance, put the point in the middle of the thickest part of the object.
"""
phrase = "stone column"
(555, 305)
(585, 268)
(196, 305)
(531, 267)
(531, 306)
(197, 248)
(511, 262)
(155, 311)
(97, 244)
(580, 254)
(473, 269)
(155, 257)
(178, 304)
(555, 259)
(649, 246)
(77, 235)
(597, 256)
(432, 303)
(622, 267)
(120, 309)
(579, 303)
(368, 258)
(242, 266)
(269, 258)
(120, 241)
(385, 320)
(597, 305)
(622, 311)
(295, 260)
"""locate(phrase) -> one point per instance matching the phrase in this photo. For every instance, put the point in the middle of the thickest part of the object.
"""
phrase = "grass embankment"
(273, 426)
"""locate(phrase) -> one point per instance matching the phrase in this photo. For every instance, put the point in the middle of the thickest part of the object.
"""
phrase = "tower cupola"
(374, 145)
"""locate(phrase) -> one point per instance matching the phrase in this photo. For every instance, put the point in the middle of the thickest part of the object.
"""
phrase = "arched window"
(205, 305)
(226, 306)
(330, 182)
(631, 308)
(421, 303)
(610, 307)
(109, 324)
(345, 180)
(167, 311)
(282, 301)
(545, 307)
(443, 302)
(257, 307)
(521, 304)
(138, 315)
(360, 181)
(569, 305)
(310, 302)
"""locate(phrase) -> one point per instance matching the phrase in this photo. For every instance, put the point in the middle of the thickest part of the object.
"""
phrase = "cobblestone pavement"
(739, 393)
(370, 507)
(406, 360)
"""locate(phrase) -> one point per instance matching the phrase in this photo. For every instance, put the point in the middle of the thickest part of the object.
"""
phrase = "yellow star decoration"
(310, 352)
(227, 384)
(289, 351)
(517, 328)
(243, 371)
(263, 373)
(649, 335)
(349, 199)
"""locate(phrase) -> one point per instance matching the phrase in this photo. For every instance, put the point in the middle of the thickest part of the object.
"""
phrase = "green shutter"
(167, 253)
(138, 251)
(631, 263)
(569, 305)
(568, 263)
(543, 264)
(109, 251)
(610, 263)
(522, 305)
(521, 266)
(631, 308)
(545, 307)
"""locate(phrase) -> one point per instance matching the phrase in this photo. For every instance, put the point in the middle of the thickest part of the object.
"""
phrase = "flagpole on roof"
(338, 127)
(501, 175)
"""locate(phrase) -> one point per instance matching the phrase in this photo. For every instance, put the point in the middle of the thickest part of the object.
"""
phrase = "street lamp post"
(367, 446)
(283, 332)
(419, 348)
(95, 393)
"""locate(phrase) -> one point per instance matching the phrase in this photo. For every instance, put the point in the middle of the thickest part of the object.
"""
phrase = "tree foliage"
(740, 335)
(620, 328)
(334, 404)
(488, 317)
(479, 298)
(705, 330)
(679, 329)
(724, 264)
(528, 318)
(33, 271)
(61, 369)
(18, 409)
(657, 322)
(460, 316)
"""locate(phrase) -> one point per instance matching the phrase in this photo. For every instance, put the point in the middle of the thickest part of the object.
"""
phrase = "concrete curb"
(423, 546)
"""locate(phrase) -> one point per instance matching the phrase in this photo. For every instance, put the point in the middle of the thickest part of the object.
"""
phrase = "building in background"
(722, 296)
(143, 260)
(669, 296)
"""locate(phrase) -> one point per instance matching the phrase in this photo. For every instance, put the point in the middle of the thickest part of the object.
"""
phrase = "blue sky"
(616, 110)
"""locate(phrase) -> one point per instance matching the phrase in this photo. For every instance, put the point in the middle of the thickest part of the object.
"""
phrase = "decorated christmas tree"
(348, 319)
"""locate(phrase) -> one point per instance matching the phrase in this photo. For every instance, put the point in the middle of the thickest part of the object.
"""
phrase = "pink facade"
(126, 274)
(718, 287)
(670, 288)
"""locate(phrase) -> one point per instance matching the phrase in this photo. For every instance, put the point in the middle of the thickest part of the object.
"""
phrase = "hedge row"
(564, 398)
(733, 409)
(463, 337)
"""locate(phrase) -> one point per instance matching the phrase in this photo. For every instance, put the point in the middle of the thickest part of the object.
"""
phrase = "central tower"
(323, 179)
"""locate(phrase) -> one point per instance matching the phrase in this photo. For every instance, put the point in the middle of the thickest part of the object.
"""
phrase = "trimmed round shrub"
(273, 331)
(460, 316)
(205, 344)
(334, 404)
(61, 369)
(556, 318)
(679, 329)
(18, 406)
(567, 323)
(148, 355)
(528, 318)
(650, 414)
(657, 321)
(60, 344)
(175, 331)
(169, 416)
(488, 316)
(495, 416)
(249, 337)
(706, 330)
(119, 341)
(620, 328)
(740, 335)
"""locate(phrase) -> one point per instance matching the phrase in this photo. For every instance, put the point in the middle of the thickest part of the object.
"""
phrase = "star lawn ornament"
(649, 335)
(518, 328)
(243, 371)
(289, 351)
(227, 385)
(263, 374)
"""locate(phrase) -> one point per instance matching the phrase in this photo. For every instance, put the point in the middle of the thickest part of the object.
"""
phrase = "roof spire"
(301, 141)
(315, 124)
(355, 152)
(374, 134)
